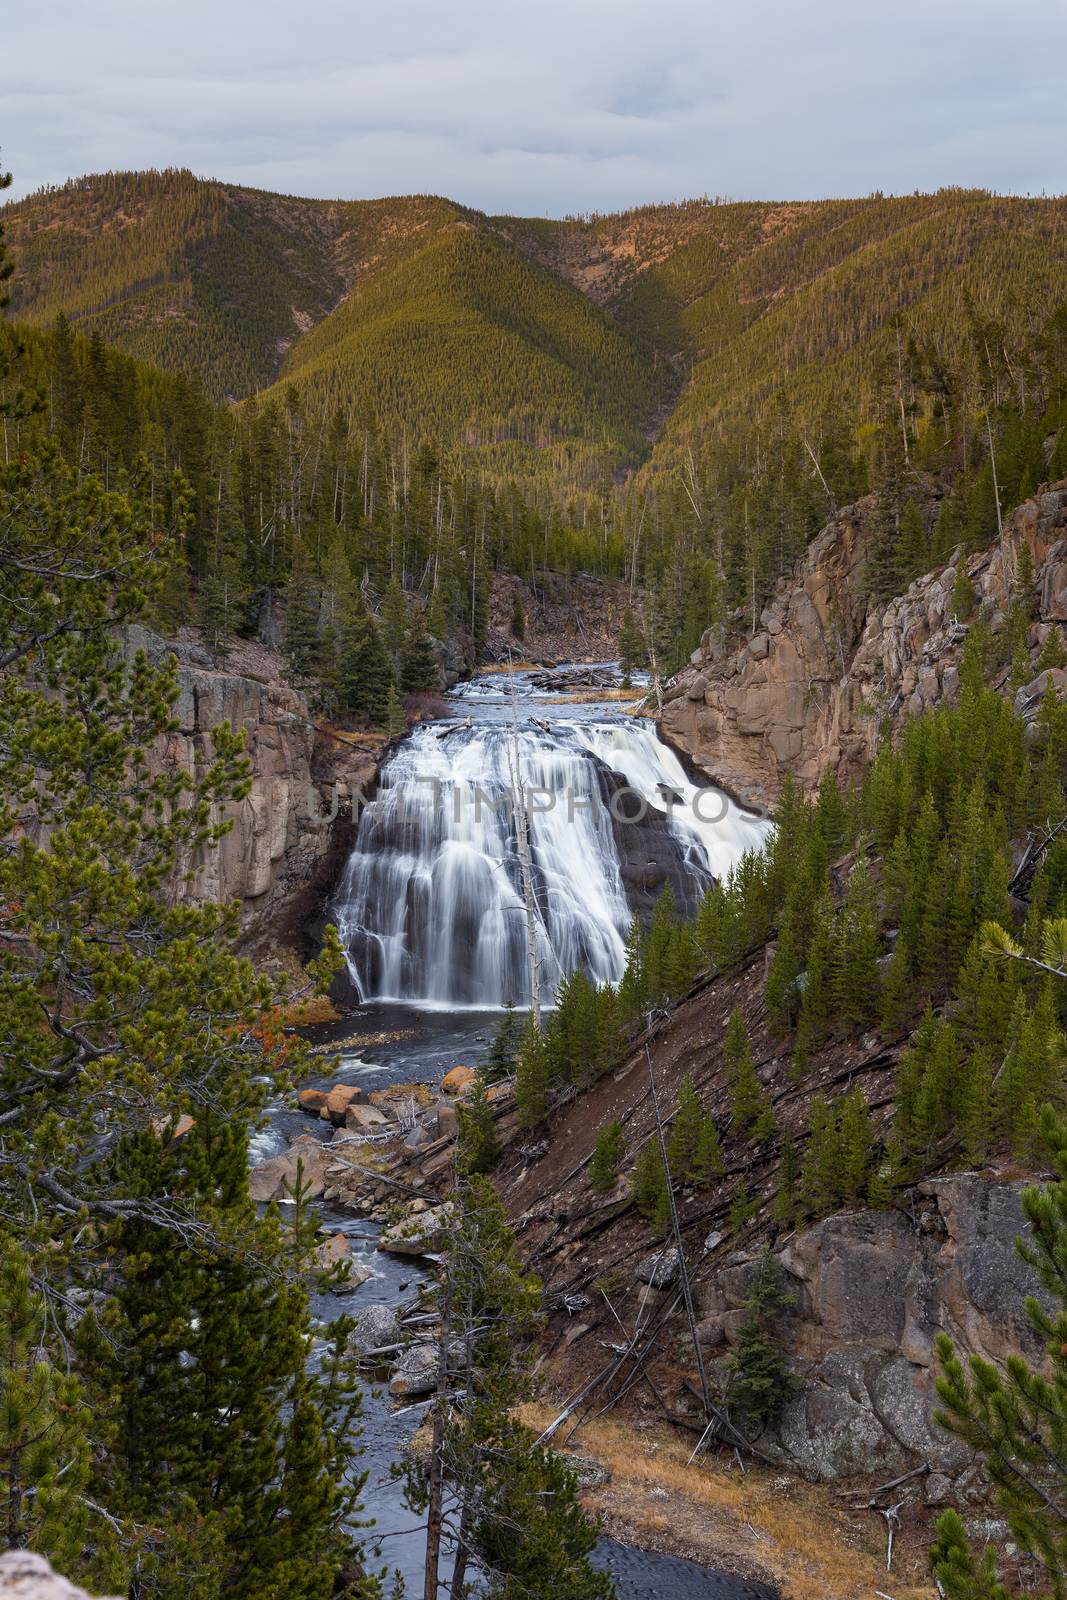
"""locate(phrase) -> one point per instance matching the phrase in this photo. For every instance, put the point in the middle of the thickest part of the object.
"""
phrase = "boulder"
(336, 1251)
(447, 1122)
(710, 1333)
(416, 1372)
(456, 1080)
(376, 1328)
(365, 1119)
(24, 1575)
(590, 1473)
(420, 1234)
(659, 1270)
(418, 1139)
(305, 1161)
(338, 1100)
(937, 1489)
(311, 1100)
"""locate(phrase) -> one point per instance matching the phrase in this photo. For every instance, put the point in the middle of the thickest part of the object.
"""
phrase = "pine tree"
(855, 965)
(518, 618)
(45, 1434)
(631, 646)
(500, 1061)
(394, 620)
(515, 1516)
(477, 1147)
(372, 685)
(820, 1168)
(964, 596)
(214, 1422)
(760, 1381)
(301, 640)
(396, 722)
(649, 1185)
(855, 1138)
(684, 1139)
(609, 1152)
(743, 1208)
(816, 995)
(708, 1163)
(914, 544)
(1052, 652)
(746, 1092)
(532, 1075)
(419, 671)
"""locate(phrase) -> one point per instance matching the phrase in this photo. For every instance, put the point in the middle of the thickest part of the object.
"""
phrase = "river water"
(430, 910)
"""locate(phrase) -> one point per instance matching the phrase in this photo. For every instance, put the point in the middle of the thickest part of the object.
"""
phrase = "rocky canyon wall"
(290, 833)
(826, 665)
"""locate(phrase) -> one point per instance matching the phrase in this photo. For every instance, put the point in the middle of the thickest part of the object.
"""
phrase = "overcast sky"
(544, 107)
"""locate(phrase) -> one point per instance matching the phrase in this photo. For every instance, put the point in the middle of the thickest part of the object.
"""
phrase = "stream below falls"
(431, 913)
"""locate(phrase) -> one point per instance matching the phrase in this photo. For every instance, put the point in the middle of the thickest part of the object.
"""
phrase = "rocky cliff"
(290, 833)
(870, 1291)
(811, 687)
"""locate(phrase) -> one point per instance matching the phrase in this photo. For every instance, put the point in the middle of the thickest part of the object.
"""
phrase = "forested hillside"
(680, 396)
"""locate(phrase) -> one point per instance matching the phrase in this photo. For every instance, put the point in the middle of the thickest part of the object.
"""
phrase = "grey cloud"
(567, 105)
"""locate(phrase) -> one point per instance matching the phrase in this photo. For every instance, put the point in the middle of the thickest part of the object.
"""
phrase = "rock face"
(26, 1576)
(809, 690)
(872, 1289)
(290, 832)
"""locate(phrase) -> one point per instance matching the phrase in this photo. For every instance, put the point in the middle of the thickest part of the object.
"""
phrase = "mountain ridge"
(682, 319)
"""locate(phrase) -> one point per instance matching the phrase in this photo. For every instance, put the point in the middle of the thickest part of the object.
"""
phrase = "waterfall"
(430, 906)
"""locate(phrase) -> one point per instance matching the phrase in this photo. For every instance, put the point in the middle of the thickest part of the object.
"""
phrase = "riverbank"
(757, 1525)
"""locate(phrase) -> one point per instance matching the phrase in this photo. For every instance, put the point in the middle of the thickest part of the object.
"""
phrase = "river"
(431, 914)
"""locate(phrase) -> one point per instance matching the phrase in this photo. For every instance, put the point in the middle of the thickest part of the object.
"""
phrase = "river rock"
(337, 1251)
(365, 1119)
(311, 1100)
(305, 1161)
(660, 1270)
(416, 1372)
(337, 1102)
(419, 1139)
(421, 1234)
(455, 1081)
(376, 1328)
(937, 1489)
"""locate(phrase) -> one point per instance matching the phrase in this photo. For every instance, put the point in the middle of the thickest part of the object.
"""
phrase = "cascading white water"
(430, 905)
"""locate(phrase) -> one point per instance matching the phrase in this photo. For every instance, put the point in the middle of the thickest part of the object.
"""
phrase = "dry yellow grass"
(303, 1013)
(590, 697)
(760, 1522)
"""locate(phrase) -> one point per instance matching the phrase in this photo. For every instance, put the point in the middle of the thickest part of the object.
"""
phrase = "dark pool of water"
(645, 1575)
